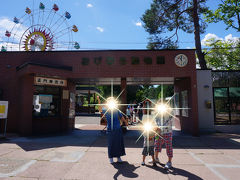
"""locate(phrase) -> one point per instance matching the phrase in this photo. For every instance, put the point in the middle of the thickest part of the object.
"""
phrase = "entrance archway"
(66, 69)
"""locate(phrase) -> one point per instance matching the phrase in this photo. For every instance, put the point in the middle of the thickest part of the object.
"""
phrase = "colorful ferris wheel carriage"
(43, 33)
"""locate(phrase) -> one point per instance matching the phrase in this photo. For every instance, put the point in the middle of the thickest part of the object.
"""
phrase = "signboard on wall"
(3, 109)
(50, 81)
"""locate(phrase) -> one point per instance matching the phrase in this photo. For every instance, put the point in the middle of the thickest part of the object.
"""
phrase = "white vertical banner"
(3, 109)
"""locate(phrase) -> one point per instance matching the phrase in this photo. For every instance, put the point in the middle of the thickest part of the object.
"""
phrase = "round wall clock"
(181, 60)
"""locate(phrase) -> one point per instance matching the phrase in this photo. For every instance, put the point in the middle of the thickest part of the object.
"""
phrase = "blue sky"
(105, 24)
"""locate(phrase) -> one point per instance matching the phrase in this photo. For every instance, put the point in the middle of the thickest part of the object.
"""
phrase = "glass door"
(221, 106)
(234, 95)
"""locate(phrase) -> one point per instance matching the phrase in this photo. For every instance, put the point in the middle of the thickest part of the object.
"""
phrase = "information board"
(3, 109)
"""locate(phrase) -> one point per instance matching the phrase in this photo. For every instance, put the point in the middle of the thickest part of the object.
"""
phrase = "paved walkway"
(82, 155)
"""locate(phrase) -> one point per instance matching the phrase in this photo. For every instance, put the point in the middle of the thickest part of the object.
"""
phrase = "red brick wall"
(74, 59)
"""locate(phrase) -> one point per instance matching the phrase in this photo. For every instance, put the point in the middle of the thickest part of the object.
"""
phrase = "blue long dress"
(116, 146)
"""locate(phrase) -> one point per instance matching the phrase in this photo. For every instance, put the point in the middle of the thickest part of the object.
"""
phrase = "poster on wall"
(72, 100)
(43, 98)
(71, 113)
(176, 104)
(184, 98)
(65, 94)
(72, 105)
(3, 109)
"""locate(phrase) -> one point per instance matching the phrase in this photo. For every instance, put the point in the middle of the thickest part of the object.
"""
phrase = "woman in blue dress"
(116, 146)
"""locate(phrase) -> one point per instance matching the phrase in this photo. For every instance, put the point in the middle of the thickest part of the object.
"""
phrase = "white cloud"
(231, 38)
(10, 46)
(138, 24)
(100, 29)
(211, 38)
(17, 30)
(89, 5)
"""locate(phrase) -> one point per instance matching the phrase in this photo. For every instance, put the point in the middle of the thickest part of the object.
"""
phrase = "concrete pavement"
(82, 155)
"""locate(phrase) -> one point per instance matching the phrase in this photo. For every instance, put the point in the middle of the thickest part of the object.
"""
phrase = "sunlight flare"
(163, 108)
(112, 103)
(148, 127)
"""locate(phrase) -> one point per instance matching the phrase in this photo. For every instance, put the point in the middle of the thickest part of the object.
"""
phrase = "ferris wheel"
(40, 29)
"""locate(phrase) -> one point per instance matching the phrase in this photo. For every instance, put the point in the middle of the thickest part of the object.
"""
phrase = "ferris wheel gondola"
(40, 30)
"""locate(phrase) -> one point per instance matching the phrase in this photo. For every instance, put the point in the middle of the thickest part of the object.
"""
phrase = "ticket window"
(46, 101)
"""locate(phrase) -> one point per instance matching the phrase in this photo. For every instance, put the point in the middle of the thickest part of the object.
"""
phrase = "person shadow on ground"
(175, 171)
(125, 169)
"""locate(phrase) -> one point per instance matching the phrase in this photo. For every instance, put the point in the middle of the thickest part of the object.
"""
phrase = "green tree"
(223, 55)
(228, 11)
(132, 93)
(166, 16)
(154, 92)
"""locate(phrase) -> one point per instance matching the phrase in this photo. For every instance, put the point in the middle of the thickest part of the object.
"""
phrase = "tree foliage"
(154, 92)
(138, 93)
(170, 16)
(228, 11)
(223, 55)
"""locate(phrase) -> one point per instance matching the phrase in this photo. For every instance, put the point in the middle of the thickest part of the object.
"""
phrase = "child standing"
(148, 148)
(165, 131)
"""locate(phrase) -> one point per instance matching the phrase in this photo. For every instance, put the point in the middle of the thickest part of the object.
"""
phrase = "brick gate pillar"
(25, 102)
(187, 123)
(124, 93)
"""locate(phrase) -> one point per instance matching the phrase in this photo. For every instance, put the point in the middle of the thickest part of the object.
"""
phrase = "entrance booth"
(41, 86)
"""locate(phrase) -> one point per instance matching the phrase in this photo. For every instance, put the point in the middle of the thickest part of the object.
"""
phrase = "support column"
(124, 93)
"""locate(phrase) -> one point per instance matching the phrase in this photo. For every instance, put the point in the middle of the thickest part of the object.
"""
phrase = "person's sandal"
(143, 163)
